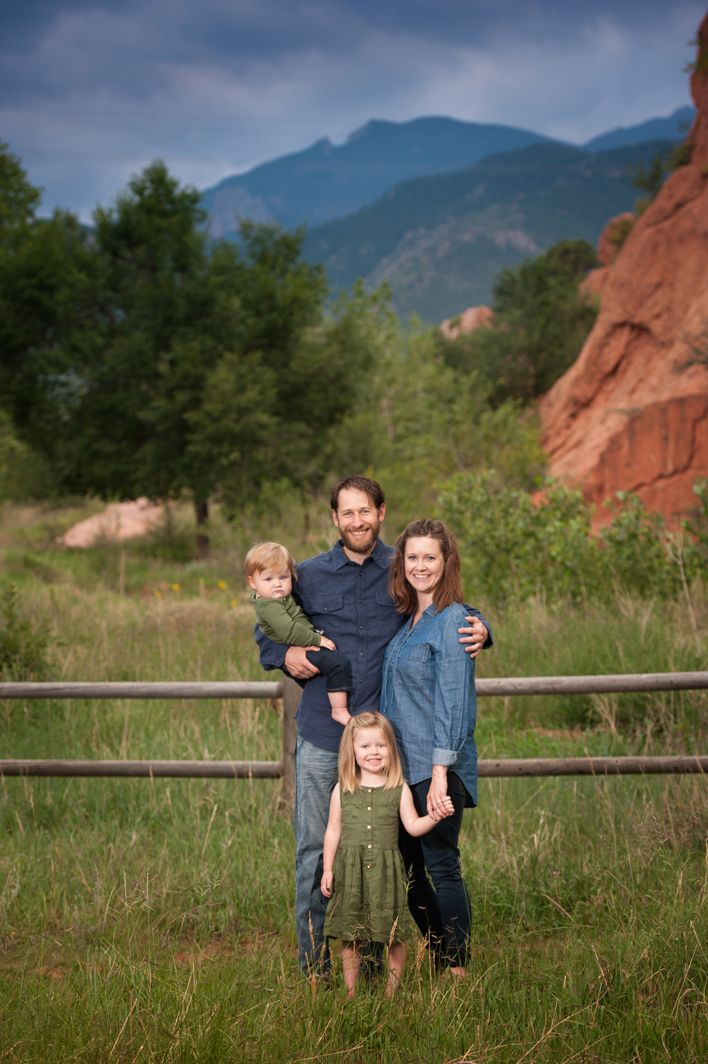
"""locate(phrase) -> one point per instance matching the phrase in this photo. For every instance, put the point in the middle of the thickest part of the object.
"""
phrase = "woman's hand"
(437, 793)
(327, 643)
(326, 884)
(473, 637)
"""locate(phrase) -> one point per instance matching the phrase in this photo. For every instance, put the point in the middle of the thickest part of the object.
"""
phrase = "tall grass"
(151, 920)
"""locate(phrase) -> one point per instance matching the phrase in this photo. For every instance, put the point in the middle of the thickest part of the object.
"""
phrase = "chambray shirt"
(350, 603)
(428, 694)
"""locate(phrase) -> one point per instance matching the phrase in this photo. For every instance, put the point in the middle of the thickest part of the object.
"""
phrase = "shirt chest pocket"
(417, 660)
(324, 606)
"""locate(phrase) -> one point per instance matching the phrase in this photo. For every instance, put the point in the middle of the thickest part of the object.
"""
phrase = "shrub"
(514, 545)
(24, 643)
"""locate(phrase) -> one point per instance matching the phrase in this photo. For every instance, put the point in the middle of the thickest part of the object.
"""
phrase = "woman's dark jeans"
(441, 910)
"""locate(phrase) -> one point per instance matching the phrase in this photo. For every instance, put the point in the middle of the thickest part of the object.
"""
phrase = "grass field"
(152, 920)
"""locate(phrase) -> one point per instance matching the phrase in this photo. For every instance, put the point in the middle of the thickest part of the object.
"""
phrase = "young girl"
(363, 867)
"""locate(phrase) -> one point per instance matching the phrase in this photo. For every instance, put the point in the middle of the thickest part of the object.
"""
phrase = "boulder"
(466, 322)
(118, 522)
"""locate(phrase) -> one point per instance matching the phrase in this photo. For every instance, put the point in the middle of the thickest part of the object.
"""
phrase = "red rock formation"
(470, 319)
(631, 414)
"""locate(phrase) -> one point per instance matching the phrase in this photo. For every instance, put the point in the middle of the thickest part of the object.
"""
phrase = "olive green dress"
(369, 901)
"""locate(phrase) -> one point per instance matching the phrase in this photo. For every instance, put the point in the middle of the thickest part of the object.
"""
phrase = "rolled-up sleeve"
(455, 704)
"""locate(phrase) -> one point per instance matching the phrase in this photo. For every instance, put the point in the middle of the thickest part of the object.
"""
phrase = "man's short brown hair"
(371, 488)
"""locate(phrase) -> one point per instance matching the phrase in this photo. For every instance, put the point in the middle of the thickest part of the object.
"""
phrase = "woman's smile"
(424, 563)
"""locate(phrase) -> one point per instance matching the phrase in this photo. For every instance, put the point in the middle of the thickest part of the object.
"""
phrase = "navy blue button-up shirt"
(350, 603)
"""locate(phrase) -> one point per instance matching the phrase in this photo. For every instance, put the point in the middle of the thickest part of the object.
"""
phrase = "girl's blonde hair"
(268, 556)
(347, 766)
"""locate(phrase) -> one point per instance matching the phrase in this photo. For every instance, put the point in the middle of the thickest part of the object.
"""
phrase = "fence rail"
(289, 692)
(514, 685)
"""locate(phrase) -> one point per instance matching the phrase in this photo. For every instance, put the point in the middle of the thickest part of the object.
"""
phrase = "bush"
(24, 643)
(514, 545)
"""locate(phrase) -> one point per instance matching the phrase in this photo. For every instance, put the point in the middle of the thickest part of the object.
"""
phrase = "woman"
(428, 695)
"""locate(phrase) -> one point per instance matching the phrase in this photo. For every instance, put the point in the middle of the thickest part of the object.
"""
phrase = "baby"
(270, 571)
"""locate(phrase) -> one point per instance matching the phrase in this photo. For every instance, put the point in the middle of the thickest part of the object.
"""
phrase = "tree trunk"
(201, 513)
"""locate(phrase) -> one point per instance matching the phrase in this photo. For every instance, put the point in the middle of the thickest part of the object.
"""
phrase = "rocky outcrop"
(631, 413)
(119, 521)
(466, 322)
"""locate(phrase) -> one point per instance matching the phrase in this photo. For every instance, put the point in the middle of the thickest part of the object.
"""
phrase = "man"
(345, 593)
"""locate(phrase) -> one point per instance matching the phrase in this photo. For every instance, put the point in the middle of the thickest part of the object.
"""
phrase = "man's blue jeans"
(315, 778)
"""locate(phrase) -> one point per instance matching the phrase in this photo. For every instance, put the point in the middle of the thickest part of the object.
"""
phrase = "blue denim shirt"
(350, 603)
(429, 695)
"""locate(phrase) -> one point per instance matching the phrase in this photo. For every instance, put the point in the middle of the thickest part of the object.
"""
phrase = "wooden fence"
(289, 692)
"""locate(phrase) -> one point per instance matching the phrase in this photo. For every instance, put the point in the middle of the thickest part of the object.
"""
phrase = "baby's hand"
(326, 884)
(446, 809)
(327, 643)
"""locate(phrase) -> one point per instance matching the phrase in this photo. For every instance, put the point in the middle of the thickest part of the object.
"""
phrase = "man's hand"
(473, 637)
(297, 664)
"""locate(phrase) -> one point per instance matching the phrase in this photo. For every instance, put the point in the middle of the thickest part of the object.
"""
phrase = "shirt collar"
(380, 555)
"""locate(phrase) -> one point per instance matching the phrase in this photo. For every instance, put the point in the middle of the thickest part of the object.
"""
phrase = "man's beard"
(360, 545)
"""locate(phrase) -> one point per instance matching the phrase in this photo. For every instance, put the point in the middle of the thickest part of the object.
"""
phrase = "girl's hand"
(326, 884)
(327, 643)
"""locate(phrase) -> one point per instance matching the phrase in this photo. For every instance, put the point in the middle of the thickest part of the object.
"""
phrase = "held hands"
(473, 637)
(326, 884)
(442, 809)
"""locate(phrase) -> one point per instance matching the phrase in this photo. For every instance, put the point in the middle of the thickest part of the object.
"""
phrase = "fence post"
(292, 693)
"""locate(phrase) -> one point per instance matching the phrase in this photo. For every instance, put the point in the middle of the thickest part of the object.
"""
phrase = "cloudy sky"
(93, 90)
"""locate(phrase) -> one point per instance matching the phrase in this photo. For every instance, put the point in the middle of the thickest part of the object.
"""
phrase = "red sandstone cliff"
(631, 413)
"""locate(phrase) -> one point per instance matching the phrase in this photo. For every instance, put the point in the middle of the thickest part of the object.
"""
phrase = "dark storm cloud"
(90, 92)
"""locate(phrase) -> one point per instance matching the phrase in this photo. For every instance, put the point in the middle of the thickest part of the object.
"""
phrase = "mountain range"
(436, 206)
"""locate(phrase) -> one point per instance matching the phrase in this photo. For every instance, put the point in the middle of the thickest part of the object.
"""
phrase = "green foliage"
(650, 177)
(514, 547)
(418, 420)
(18, 199)
(540, 325)
(635, 549)
(24, 642)
(23, 473)
(620, 230)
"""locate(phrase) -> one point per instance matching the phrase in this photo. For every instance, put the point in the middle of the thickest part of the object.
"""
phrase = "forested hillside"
(327, 181)
(438, 242)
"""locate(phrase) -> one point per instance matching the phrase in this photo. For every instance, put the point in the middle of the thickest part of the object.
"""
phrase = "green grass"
(151, 920)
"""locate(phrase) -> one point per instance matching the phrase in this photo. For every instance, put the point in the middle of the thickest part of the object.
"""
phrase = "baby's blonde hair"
(347, 766)
(268, 556)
